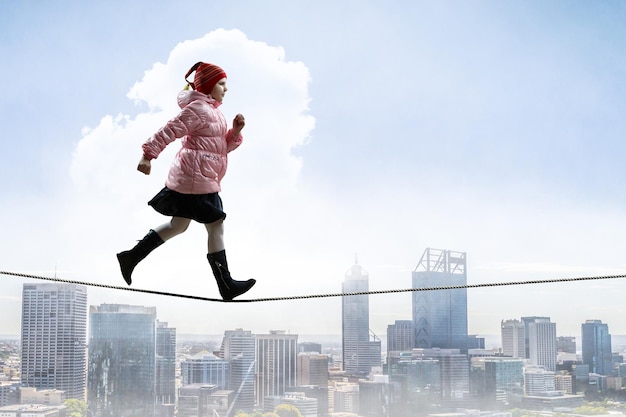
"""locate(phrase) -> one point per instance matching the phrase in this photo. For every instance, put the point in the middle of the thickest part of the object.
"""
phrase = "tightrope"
(310, 296)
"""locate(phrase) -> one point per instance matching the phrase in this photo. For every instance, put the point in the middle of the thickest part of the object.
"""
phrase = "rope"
(310, 296)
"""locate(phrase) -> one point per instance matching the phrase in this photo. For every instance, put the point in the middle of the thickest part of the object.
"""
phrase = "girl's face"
(219, 90)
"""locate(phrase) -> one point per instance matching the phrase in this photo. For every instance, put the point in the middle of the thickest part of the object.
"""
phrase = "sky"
(374, 130)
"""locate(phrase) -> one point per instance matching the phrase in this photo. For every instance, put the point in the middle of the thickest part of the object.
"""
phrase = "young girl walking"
(193, 183)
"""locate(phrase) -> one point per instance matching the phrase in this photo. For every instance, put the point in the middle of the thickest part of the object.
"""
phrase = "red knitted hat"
(207, 75)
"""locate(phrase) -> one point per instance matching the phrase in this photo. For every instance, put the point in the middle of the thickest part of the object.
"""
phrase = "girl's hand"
(144, 165)
(238, 123)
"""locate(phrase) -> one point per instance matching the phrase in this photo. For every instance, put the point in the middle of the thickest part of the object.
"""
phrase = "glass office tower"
(440, 317)
(122, 347)
(360, 353)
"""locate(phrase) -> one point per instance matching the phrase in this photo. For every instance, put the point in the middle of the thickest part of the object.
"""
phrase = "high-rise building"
(359, 353)
(204, 368)
(497, 380)
(418, 380)
(309, 347)
(513, 338)
(566, 344)
(312, 369)
(542, 343)
(122, 348)
(54, 333)
(440, 317)
(165, 364)
(400, 336)
(475, 342)
(526, 321)
(596, 347)
(239, 350)
(454, 367)
(564, 382)
(276, 355)
(376, 397)
(537, 380)
(345, 397)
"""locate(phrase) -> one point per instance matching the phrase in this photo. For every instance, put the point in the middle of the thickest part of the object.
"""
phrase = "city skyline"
(502, 339)
(382, 332)
(132, 355)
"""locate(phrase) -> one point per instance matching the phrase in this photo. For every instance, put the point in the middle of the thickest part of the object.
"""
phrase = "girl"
(192, 185)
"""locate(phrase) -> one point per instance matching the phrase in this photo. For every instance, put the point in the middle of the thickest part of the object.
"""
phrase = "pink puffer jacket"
(201, 163)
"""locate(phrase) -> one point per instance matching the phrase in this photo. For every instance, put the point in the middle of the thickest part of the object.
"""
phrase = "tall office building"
(239, 350)
(418, 380)
(204, 368)
(400, 336)
(542, 343)
(513, 338)
(377, 397)
(344, 397)
(276, 355)
(566, 344)
(537, 380)
(54, 332)
(359, 353)
(454, 367)
(309, 347)
(122, 347)
(526, 321)
(497, 380)
(596, 347)
(312, 369)
(440, 317)
(165, 364)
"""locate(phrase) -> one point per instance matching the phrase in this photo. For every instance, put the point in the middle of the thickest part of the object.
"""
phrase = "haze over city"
(374, 131)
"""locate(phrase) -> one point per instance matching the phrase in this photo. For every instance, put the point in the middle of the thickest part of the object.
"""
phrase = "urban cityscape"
(74, 359)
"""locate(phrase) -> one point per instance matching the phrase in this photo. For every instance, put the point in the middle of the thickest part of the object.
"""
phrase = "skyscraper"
(239, 350)
(526, 321)
(165, 364)
(400, 336)
(121, 377)
(596, 347)
(513, 338)
(440, 317)
(496, 379)
(312, 369)
(360, 353)
(542, 342)
(54, 332)
(454, 367)
(204, 368)
(566, 344)
(418, 379)
(276, 355)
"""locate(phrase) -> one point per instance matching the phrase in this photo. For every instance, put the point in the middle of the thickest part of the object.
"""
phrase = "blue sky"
(374, 128)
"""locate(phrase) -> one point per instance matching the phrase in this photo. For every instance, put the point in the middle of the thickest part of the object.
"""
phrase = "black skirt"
(203, 208)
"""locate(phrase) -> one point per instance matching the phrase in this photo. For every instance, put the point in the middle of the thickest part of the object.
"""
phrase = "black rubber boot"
(229, 288)
(129, 259)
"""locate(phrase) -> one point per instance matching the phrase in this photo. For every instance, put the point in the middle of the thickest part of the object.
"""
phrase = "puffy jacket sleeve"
(233, 141)
(183, 124)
